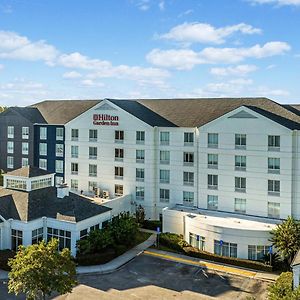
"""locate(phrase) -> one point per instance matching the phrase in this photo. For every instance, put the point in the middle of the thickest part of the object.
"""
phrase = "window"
(240, 163)
(240, 141)
(93, 170)
(257, 252)
(164, 157)
(274, 165)
(59, 166)
(74, 168)
(197, 241)
(273, 142)
(240, 205)
(119, 154)
(25, 148)
(212, 182)
(212, 202)
(59, 180)
(16, 239)
(140, 156)
(139, 193)
(164, 195)
(43, 163)
(164, 138)
(164, 176)
(188, 178)
(92, 152)
(83, 234)
(63, 236)
(41, 183)
(59, 134)
(188, 158)
(225, 249)
(119, 136)
(212, 161)
(37, 235)
(10, 147)
(140, 137)
(74, 184)
(188, 138)
(140, 174)
(74, 151)
(25, 162)
(93, 135)
(92, 186)
(274, 187)
(273, 210)
(188, 198)
(95, 227)
(118, 190)
(16, 184)
(240, 184)
(10, 132)
(10, 162)
(74, 134)
(43, 149)
(59, 150)
(43, 133)
(25, 133)
(119, 172)
(212, 140)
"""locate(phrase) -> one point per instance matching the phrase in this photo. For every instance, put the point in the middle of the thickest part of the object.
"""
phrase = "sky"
(128, 49)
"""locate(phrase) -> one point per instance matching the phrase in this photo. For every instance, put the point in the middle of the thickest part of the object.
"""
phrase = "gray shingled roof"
(29, 171)
(28, 206)
(30, 113)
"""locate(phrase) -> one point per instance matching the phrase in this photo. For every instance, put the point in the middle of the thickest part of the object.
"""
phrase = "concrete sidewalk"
(211, 265)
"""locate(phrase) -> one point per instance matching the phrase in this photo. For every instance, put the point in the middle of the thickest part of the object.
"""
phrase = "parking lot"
(152, 278)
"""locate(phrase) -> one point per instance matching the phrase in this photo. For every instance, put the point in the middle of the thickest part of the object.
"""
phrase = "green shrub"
(152, 224)
(95, 258)
(5, 255)
(172, 241)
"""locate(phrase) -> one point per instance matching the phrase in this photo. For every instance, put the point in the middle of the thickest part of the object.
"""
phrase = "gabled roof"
(30, 113)
(63, 111)
(29, 172)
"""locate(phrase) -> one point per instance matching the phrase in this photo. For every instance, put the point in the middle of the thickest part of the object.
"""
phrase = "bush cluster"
(152, 224)
(5, 255)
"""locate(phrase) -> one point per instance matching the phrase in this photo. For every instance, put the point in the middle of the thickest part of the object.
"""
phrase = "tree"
(2, 109)
(40, 269)
(286, 238)
(140, 214)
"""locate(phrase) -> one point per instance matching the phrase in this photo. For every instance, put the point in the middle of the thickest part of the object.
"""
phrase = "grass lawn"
(141, 237)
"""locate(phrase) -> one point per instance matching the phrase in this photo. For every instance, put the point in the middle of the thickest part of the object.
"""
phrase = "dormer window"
(16, 184)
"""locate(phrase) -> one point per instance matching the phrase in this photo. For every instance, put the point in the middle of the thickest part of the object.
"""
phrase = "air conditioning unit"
(105, 194)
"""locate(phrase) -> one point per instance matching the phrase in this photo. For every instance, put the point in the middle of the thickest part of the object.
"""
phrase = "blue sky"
(66, 49)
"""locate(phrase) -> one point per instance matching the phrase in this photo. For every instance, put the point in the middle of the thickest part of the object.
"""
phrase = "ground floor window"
(63, 236)
(257, 252)
(197, 241)
(16, 239)
(225, 248)
(37, 235)
(95, 227)
(83, 234)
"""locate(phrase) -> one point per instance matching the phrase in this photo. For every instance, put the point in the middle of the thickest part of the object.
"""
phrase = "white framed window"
(10, 132)
(41, 183)
(119, 190)
(240, 205)
(10, 162)
(164, 176)
(212, 202)
(16, 239)
(139, 193)
(59, 134)
(274, 187)
(188, 178)
(25, 148)
(273, 142)
(10, 147)
(93, 152)
(164, 137)
(93, 135)
(258, 252)
(59, 150)
(16, 184)
(74, 184)
(92, 185)
(225, 249)
(164, 195)
(240, 141)
(119, 172)
(43, 133)
(74, 134)
(140, 137)
(197, 241)
(63, 236)
(188, 138)
(188, 198)
(43, 149)
(140, 174)
(212, 161)
(212, 140)
(240, 162)
(74, 168)
(273, 210)
(140, 156)
(188, 158)
(59, 180)
(212, 182)
(93, 170)
(273, 165)
(25, 133)
(119, 136)
(43, 163)
(164, 157)
(59, 166)
(240, 184)
(25, 162)
(119, 154)
(37, 235)
(74, 151)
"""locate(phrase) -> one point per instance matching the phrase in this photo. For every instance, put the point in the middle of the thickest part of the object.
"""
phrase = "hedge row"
(176, 242)
(152, 224)
(5, 255)
(95, 258)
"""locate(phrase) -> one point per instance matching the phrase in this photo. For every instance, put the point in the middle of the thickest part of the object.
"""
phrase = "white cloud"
(276, 2)
(91, 83)
(72, 75)
(183, 59)
(186, 13)
(240, 70)
(161, 5)
(206, 33)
